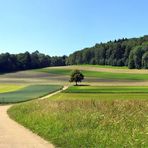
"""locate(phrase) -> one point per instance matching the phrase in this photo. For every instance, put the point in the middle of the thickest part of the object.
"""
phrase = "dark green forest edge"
(123, 52)
(24, 61)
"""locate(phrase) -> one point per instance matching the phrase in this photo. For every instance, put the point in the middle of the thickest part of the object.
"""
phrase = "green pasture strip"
(110, 75)
(55, 71)
(100, 96)
(96, 74)
(86, 123)
(103, 66)
(10, 87)
(107, 89)
(28, 93)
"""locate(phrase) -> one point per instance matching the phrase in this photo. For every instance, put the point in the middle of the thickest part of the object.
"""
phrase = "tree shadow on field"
(82, 85)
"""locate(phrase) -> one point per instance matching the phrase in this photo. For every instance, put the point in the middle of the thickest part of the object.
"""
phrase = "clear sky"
(58, 27)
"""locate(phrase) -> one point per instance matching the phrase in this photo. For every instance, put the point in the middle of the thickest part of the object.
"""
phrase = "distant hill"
(123, 52)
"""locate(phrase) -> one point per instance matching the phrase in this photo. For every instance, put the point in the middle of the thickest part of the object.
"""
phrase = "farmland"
(10, 87)
(100, 73)
(94, 75)
(107, 89)
(87, 119)
(27, 93)
(73, 74)
(109, 109)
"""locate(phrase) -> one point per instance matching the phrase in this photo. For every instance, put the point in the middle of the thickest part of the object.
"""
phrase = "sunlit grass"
(104, 66)
(89, 123)
(101, 96)
(10, 87)
(107, 89)
(97, 74)
(89, 116)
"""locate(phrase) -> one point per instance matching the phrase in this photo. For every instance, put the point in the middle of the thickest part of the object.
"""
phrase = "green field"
(107, 89)
(104, 66)
(103, 93)
(87, 116)
(10, 87)
(97, 74)
(105, 113)
(27, 93)
(101, 96)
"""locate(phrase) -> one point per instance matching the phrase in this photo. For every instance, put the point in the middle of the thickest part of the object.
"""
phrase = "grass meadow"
(82, 116)
(85, 117)
(27, 93)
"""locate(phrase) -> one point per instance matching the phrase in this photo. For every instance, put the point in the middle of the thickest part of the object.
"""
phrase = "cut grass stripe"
(107, 89)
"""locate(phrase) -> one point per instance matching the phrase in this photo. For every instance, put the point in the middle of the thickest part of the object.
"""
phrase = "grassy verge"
(27, 93)
(86, 123)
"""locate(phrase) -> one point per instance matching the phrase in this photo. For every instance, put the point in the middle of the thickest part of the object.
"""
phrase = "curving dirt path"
(45, 97)
(13, 135)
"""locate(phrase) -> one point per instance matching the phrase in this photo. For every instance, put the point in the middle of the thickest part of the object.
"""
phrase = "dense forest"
(123, 52)
(24, 61)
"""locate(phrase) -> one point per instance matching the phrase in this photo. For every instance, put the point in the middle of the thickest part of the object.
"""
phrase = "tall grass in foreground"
(89, 123)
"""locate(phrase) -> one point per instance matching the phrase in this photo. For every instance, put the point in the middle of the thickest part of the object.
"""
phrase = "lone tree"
(76, 77)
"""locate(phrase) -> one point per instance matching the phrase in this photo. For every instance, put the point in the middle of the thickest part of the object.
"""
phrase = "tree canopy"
(122, 52)
(76, 76)
(24, 61)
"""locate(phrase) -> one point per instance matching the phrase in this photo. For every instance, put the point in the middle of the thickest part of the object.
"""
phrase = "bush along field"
(78, 118)
(27, 93)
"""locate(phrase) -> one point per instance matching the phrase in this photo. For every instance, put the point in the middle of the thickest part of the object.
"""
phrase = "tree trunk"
(76, 83)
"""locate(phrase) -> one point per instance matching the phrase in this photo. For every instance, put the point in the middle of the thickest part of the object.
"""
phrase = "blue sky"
(58, 27)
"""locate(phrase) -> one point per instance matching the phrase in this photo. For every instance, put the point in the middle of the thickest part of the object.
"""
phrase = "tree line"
(23, 61)
(123, 52)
